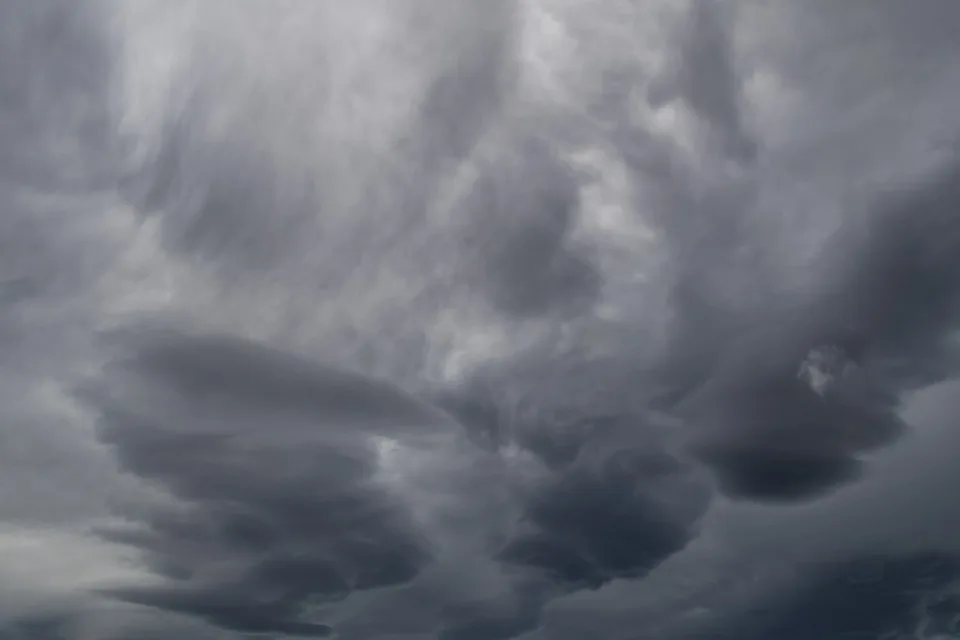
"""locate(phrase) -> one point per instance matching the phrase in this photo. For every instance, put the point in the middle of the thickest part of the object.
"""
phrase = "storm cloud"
(478, 320)
(279, 507)
(285, 484)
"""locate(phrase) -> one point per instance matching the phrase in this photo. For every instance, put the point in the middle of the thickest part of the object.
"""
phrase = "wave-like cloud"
(462, 320)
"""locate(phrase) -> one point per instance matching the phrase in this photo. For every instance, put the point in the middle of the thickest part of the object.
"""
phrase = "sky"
(463, 320)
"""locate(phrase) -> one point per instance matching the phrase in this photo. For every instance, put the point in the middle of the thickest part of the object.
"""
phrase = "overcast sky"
(478, 320)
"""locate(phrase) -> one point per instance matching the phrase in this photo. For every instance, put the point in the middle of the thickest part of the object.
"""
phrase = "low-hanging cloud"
(280, 471)
(878, 329)
(475, 321)
(272, 518)
(868, 597)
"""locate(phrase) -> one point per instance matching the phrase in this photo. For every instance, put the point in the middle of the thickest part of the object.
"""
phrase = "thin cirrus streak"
(460, 320)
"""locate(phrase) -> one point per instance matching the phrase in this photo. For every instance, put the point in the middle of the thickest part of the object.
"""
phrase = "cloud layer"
(476, 321)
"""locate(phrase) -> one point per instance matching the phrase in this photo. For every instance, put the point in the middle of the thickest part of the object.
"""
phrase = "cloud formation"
(870, 597)
(280, 506)
(286, 488)
(465, 320)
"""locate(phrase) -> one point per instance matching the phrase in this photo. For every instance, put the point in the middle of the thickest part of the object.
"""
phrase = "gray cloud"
(51, 628)
(55, 162)
(273, 462)
(53, 121)
(888, 310)
(267, 454)
(866, 597)
(706, 78)
(524, 205)
(667, 393)
(883, 308)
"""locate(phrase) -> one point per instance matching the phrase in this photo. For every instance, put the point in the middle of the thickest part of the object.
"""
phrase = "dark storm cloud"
(883, 308)
(229, 611)
(268, 379)
(740, 365)
(770, 435)
(621, 506)
(616, 498)
(903, 291)
(861, 597)
(506, 617)
(277, 507)
(885, 316)
(284, 498)
(38, 628)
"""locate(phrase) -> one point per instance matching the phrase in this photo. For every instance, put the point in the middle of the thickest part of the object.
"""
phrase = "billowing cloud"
(879, 328)
(274, 467)
(288, 485)
(477, 321)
